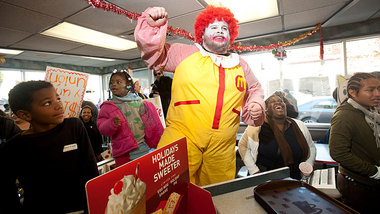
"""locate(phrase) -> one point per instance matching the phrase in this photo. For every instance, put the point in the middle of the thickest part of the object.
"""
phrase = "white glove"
(377, 175)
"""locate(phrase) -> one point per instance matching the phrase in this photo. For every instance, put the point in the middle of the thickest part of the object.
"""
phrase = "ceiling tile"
(357, 11)
(88, 50)
(9, 36)
(21, 19)
(46, 43)
(128, 54)
(309, 18)
(261, 27)
(99, 20)
(173, 7)
(376, 15)
(59, 9)
(185, 22)
(296, 6)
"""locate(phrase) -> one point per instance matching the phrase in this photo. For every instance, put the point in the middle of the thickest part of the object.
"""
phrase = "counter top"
(236, 196)
(241, 201)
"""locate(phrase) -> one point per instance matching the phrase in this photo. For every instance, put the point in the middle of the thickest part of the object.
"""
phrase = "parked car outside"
(318, 110)
(3, 102)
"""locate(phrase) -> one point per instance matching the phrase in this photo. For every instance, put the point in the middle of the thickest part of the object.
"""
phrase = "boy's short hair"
(20, 97)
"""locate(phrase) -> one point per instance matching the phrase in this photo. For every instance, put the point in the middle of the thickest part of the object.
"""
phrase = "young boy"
(52, 160)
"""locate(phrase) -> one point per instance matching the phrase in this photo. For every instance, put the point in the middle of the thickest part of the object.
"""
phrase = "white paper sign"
(342, 92)
(70, 86)
(157, 103)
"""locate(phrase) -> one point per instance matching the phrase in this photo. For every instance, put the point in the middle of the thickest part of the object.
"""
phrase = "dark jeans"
(360, 197)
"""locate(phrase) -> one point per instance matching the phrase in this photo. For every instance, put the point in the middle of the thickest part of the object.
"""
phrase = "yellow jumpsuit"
(207, 98)
(205, 108)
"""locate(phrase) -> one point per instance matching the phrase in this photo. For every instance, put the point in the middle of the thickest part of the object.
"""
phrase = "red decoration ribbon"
(321, 51)
(109, 7)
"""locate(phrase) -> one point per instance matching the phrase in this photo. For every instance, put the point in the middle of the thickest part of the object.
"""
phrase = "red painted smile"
(219, 39)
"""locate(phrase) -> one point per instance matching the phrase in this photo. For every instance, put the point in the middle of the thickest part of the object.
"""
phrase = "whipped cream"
(125, 195)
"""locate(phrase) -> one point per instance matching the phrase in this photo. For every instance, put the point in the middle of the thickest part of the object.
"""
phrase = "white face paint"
(217, 37)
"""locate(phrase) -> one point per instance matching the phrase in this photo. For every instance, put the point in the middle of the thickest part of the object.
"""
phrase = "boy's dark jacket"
(52, 167)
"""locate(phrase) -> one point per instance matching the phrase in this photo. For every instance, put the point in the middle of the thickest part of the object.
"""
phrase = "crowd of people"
(211, 92)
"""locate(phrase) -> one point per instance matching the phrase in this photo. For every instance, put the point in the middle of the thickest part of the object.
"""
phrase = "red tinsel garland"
(113, 8)
(321, 51)
(187, 35)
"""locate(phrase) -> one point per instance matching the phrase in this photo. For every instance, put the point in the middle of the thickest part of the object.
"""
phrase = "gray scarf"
(372, 118)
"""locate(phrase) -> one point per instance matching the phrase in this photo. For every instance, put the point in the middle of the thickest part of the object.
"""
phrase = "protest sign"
(70, 86)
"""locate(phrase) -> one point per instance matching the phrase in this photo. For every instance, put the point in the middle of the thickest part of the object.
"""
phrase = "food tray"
(292, 196)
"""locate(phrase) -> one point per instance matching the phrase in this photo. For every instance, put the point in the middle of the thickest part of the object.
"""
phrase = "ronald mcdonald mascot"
(211, 87)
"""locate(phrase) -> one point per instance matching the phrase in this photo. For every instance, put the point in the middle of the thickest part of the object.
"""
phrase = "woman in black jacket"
(93, 133)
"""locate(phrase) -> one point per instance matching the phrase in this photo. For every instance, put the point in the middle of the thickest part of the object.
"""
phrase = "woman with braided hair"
(355, 143)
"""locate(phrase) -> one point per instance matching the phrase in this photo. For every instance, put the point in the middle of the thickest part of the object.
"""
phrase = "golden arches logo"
(240, 83)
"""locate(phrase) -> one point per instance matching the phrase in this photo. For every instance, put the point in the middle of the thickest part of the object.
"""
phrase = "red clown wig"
(209, 15)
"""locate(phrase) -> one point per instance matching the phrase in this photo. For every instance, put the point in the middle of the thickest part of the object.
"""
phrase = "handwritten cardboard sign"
(70, 86)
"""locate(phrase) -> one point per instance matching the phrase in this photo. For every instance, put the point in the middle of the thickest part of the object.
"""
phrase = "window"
(325, 104)
(8, 79)
(317, 110)
(93, 89)
(106, 91)
(34, 75)
(363, 55)
(143, 77)
(303, 74)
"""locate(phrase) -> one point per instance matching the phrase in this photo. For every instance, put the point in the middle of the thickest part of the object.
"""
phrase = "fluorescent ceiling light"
(248, 10)
(97, 58)
(84, 35)
(9, 51)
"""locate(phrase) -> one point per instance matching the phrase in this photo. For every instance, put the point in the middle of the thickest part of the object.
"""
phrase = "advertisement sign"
(157, 103)
(158, 180)
(70, 86)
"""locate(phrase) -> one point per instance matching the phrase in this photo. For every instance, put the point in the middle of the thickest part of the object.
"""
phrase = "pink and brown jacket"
(122, 139)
